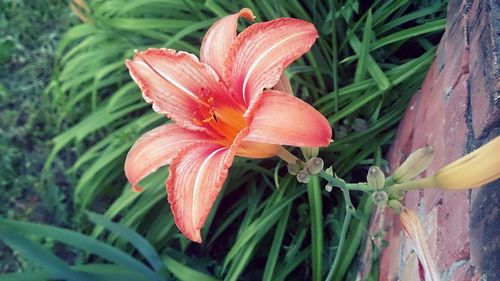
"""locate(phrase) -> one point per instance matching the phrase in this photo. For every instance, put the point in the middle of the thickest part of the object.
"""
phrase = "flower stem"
(316, 205)
(340, 183)
(410, 185)
(286, 156)
(349, 211)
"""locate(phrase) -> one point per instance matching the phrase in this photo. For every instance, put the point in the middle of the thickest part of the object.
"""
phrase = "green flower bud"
(328, 187)
(375, 178)
(303, 176)
(314, 165)
(414, 165)
(395, 205)
(380, 198)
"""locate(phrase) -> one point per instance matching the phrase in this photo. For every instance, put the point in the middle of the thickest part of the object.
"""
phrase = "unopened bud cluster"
(414, 165)
(376, 181)
(303, 172)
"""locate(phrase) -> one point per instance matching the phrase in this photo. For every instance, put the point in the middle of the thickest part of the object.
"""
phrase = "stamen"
(197, 121)
(226, 122)
(208, 119)
(214, 116)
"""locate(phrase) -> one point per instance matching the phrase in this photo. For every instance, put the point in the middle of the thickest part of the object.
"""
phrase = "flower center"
(224, 121)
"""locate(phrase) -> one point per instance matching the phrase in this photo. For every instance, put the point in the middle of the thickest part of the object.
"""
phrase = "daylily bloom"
(472, 170)
(222, 106)
(415, 233)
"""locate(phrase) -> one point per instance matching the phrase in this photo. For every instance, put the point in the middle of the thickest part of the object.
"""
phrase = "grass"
(29, 34)
(364, 68)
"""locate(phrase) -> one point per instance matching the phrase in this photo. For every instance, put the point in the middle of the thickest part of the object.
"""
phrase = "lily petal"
(219, 37)
(261, 52)
(196, 177)
(280, 118)
(414, 231)
(283, 85)
(252, 149)
(176, 83)
(155, 149)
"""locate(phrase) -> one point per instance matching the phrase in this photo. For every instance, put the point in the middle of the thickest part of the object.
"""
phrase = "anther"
(197, 121)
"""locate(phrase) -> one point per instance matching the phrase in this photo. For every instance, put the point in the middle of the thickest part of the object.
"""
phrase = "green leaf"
(141, 244)
(185, 273)
(53, 265)
(82, 242)
(364, 51)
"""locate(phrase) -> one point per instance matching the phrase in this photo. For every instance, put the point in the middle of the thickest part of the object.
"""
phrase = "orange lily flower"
(221, 107)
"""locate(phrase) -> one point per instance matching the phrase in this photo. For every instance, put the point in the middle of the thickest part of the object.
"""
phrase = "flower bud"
(380, 198)
(414, 165)
(473, 170)
(293, 169)
(414, 231)
(375, 178)
(314, 165)
(395, 205)
(310, 152)
(303, 176)
(328, 187)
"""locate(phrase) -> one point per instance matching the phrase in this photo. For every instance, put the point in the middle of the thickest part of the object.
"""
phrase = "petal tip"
(197, 237)
(247, 13)
(137, 189)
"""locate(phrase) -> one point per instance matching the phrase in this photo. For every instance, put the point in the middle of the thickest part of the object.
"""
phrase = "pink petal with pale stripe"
(219, 37)
(155, 149)
(283, 85)
(261, 52)
(196, 177)
(176, 83)
(280, 118)
(414, 231)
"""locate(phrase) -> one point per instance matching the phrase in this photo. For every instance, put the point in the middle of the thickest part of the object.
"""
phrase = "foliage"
(364, 68)
(26, 124)
(29, 34)
(106, 262)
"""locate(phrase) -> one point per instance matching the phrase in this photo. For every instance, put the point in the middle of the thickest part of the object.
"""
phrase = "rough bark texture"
(457, 110)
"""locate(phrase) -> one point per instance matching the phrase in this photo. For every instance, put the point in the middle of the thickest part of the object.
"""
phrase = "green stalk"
(349, 210)
(316, 207)
(340, 183)
(354, 238)
(413, 184)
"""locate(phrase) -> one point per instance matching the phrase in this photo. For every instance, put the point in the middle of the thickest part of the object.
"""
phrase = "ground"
(29, 35)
